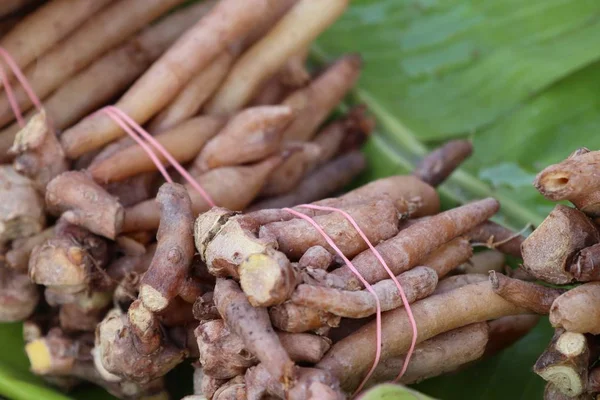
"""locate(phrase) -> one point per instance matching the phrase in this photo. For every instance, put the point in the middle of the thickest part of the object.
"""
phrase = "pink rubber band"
(405, 302)
(361, 278)
(24, 83)
(157, 146)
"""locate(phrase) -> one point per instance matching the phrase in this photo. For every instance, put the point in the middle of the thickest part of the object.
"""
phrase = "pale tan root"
(457, 281)
(37, 32)
(576, 309)
(253, 326)
(89, 88)
(410, 245)
(17, 257)
(532, 296)
(314, 103)
(322, 182)
(565, 362)
(290, 317)
(435, 167)
(436, 356)
(377, 219)
(114, 24)
(292, 33)
(316, 257)
(174, 252)
(84, 203)
(234, 389)
(223, 26)
(39, 155)
(195, 94)
(182, 142)
(483, 262)
(22, 207)
(507, 330)
(548, 251)
(18, 296)
(12, 6)
(448, 256)
(230, 187)
(350, 358)
(249, 136)
(417, 283)
(551, 392)
(498, 237)
(294, 74)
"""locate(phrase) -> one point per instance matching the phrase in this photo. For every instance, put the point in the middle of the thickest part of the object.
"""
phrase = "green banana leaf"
(521, 79)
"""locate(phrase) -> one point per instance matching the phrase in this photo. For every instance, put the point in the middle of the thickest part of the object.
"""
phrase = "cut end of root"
(39, 356)
(571, 344)
(257, 277)
(564, 378)
(152, 299)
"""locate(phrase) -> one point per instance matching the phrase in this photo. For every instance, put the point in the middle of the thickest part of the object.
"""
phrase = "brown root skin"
(294, 318)
(17, 257)
(350, 358)
(121, 349)
(593, 384)
(251, 135)
(565, 362)
(497, 237)
(183, 142)
(174, 252)
(303, 158)
(448, 256)
(209, 385)
(483, 262)
(315, 102)
(224, 241)
(56, 353)
(87, 302)
(377, 219)
(586, 266)
(234, 389)
(22, 214)
(576, 309)
(83, 202)
(254, 327)
(204, 308)
(507, 330)
(18, 296)
(457, 281)
(440, 163)
(73, 318)
(532, 296)
(267, 279)
(324, 181)
(550, 249)
(230, 187)
(72, 261)
(137, 264)
(439, 355)
(551, 392)
(39, 155)
(410, 245)
(417, 283)
(574, 179)
(316, 257)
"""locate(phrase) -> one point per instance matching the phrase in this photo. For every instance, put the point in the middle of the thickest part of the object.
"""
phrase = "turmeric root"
(534, 297)
(84, 203)
(315, 102)
(133, 347)
(448, 256)
(408, 247)
(483, 262)
(440, 163)
(251, 135)
(175, 249)
(586, 266)
(497, 237)
(322, 182)
(349, 359)
(548, 251)
(316, 257)
(457, 281)
(573, 179)
(38, 152)
(18, 296)
(417, 283)
(378, 220)
(230, 187)
(17, 257)
(576, 309)
(292, 33)
(22, 211)
(183, 142)
(294, 318)
(73, 318)
(507, 330)
(253, 326)
(436, 356)
(565, 362)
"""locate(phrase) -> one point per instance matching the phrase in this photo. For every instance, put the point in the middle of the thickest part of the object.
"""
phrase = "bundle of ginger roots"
(119, 276)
